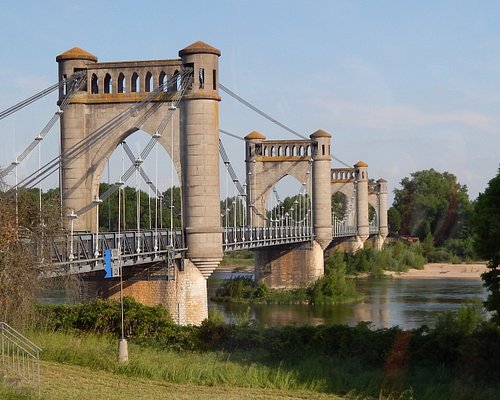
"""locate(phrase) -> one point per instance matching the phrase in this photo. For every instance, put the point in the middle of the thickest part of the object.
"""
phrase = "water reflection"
(408, 303)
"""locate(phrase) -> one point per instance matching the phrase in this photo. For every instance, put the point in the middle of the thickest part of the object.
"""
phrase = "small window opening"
(134, 83)
(214, 79)
(94, 84)
(163, 80)
(108, 84)
(201, 77)
(148, 83)
(121, 83)
(65, 85)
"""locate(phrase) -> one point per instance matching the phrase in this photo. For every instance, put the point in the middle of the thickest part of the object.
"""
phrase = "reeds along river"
(407, 303)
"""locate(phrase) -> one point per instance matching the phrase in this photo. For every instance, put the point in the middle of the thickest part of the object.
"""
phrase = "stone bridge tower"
(192, 141)
(268, 161)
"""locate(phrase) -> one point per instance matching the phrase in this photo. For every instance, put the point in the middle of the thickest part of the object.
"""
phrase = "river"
(407, 303)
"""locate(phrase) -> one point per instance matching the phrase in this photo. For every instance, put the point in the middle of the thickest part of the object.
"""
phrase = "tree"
(431, 202)
(24, 251)
(486, 227)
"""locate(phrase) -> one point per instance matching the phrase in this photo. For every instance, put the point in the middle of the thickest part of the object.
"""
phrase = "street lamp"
(97, 201)
(72, 218)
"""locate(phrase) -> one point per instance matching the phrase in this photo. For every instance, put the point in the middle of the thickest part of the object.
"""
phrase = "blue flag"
(108, 264)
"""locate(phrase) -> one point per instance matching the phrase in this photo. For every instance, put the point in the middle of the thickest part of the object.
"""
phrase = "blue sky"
(401, 85)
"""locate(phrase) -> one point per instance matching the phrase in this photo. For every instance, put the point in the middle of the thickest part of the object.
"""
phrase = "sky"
(401, 85)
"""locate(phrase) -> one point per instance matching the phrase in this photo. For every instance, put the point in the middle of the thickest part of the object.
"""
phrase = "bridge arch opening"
(288, 204)
(340, 205)
(149, 199)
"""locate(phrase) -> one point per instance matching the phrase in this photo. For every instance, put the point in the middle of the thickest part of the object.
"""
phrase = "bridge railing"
(20, 356)
(343, 228)
(85, 250)
(252, 237)
(373, 227)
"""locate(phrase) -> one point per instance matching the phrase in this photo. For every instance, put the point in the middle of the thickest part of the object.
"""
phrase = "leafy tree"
(486, 226)
(430, 202)
(24, 251)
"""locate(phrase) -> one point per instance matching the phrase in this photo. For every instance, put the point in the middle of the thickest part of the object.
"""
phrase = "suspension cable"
(94, 137)
(75, 87)
(145, 152)
(267, 116)
(43, 93)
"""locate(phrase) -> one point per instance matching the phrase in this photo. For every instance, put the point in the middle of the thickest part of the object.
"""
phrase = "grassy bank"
(73, 382)
(355, 362)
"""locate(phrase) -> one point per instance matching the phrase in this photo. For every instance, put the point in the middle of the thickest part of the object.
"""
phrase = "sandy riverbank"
(443, 271)
(430, 271)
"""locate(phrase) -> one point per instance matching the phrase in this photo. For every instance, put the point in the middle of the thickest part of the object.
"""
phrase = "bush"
(439, 255)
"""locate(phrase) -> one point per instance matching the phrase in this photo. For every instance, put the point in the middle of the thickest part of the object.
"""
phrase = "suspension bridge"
(160, 260)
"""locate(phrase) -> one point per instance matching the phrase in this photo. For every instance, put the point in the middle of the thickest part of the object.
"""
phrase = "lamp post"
(72, 218)
(97, 201)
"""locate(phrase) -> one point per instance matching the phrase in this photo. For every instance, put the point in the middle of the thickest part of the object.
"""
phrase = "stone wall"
(184, 296)
(289, 267)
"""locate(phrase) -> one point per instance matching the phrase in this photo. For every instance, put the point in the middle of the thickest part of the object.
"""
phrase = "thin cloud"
(401, 118)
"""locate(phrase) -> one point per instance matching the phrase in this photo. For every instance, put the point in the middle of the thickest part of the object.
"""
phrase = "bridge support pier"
(184, 296)
(289, 266)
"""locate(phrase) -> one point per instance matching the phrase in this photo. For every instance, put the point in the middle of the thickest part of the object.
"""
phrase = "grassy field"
(77, 367)
(70, 382)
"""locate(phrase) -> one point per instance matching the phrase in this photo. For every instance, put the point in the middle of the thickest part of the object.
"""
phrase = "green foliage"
(446, 362)
(397, 256)
(486, 227)
(108, 210)
(104, 316)
(486, 222)
(431, 202)
(334, 286)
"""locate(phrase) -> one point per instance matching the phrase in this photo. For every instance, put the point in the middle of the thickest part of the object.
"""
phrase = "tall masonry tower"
(74, 169)
(199, 150)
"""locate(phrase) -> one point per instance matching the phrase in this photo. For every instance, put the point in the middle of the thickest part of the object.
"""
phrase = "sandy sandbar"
(443, 271)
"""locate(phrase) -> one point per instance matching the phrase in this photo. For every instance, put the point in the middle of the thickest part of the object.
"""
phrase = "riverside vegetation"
(337, 284)
(457, 359)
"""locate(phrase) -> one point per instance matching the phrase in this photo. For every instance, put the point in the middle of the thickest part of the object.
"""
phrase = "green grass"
(73, 365)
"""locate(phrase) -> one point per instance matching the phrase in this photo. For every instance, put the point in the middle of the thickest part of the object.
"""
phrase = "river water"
(407, 303)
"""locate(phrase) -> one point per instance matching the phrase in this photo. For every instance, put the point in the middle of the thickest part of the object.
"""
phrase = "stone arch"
(137, 139)
(266, 175)
(346, 188)
(100, 154)
(288, 186)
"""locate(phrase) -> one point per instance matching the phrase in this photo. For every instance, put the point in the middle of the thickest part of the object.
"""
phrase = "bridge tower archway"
(308, 161)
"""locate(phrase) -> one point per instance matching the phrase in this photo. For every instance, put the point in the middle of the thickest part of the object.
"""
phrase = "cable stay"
(267, 116)
(70, 82)
(231, 134)
(76, 84)
(93, 139)
(260, 112)
(230, 169)
(147, 150)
